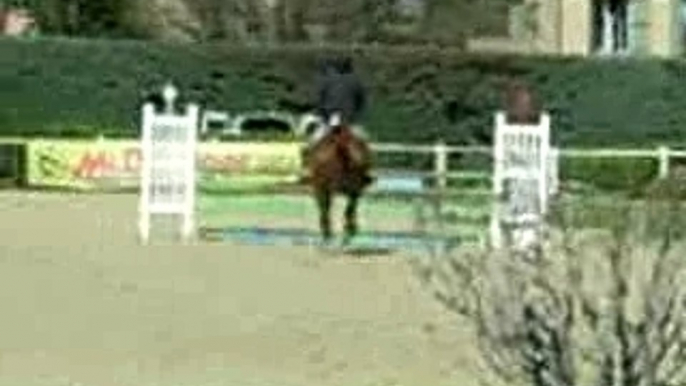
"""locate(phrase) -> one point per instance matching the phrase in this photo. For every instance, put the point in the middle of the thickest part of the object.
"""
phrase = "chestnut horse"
(339, 163)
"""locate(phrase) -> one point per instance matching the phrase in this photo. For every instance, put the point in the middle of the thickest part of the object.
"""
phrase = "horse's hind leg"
(351, 217)
(324, 201)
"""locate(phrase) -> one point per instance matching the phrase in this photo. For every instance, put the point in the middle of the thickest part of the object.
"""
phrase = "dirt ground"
(83, 304)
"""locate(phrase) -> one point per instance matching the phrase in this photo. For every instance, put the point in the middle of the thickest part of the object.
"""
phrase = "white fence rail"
(441, 153)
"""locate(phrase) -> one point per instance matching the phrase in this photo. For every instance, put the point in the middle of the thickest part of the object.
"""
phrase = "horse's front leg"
(351, 218)
(324, 200)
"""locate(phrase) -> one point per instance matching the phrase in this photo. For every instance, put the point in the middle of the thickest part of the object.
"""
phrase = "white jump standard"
(525, 176)
(168, 169)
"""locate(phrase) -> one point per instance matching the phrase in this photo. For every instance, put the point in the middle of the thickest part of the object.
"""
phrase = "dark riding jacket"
(342, 93)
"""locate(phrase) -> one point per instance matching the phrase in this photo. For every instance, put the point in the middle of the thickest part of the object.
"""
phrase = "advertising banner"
(116, 164)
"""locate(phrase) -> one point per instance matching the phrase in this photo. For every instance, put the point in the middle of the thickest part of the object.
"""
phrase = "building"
(592, 27)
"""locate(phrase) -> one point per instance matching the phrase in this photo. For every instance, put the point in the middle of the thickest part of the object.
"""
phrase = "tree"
(368, 21)
(227, 20)
(105, 18)
(596, 307)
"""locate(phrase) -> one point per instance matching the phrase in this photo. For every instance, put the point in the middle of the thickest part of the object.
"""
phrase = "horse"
(338, 163)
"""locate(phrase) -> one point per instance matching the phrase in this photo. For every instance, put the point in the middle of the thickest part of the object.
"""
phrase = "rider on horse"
(341, 100)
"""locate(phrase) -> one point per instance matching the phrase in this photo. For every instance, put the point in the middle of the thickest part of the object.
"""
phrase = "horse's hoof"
(326, 244)
(347, 240)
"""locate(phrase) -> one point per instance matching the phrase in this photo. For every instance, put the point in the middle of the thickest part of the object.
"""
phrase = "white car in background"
(222, 126)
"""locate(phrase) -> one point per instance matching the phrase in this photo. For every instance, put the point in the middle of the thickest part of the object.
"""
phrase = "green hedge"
(85, 88)
(82, 87)
(631, 175)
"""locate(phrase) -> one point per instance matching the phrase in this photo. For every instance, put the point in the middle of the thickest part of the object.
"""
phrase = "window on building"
(611, 26)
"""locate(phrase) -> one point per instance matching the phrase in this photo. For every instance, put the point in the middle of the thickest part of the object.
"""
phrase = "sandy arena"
(83, 304)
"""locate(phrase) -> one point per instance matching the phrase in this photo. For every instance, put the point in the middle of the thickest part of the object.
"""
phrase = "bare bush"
(602, 306)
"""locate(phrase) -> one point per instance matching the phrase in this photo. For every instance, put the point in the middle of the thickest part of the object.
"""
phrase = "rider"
(340, 96)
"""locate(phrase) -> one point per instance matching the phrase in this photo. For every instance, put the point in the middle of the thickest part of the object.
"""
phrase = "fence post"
(441, 164)
(169, 93)
(663, 157)
(553, 171)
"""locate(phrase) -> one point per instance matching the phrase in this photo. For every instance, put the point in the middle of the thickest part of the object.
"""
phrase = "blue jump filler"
(301, 237)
